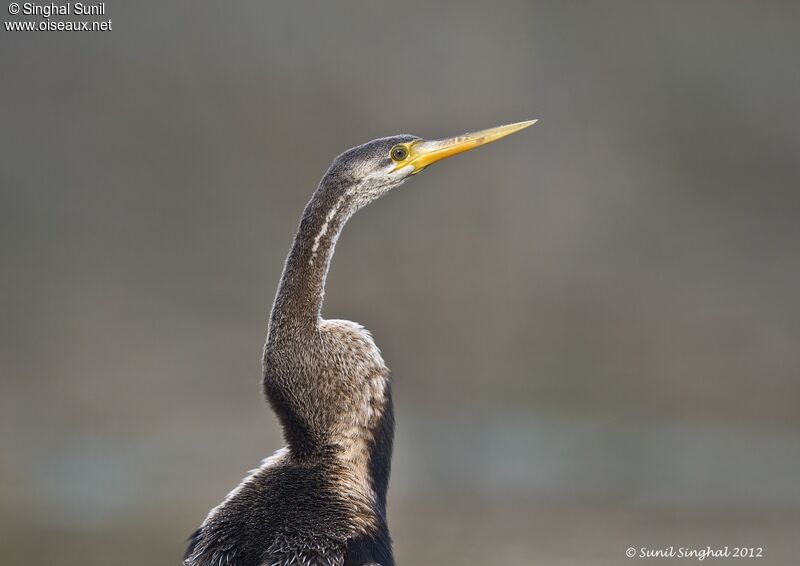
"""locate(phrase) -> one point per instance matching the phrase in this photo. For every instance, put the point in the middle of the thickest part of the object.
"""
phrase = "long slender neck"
(298, 302)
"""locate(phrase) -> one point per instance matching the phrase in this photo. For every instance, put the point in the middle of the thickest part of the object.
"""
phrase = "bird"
(321, 500)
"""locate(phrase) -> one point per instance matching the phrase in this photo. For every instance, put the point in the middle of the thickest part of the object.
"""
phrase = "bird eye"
(399, 153)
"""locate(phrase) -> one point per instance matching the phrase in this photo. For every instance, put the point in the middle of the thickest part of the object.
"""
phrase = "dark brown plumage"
(322, 500)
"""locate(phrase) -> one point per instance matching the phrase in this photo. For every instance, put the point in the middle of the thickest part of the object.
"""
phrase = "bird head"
(375, 167)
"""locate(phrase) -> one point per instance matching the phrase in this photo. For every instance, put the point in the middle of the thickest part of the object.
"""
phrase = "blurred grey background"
(593, 326)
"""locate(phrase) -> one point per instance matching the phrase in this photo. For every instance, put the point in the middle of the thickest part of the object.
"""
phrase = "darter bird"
(321, 500)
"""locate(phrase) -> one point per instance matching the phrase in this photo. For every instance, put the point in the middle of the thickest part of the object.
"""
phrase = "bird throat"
(298, 302)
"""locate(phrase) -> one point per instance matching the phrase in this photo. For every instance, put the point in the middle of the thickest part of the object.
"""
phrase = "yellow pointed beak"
(423, 153)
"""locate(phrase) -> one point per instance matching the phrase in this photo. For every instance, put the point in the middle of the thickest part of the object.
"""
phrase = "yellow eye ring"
(399, 153)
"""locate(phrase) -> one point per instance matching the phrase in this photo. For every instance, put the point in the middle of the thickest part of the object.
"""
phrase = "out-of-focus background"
(593, 326)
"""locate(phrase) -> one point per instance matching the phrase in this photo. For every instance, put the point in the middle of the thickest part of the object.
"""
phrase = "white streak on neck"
(324, 229)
